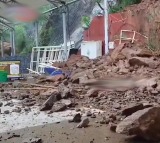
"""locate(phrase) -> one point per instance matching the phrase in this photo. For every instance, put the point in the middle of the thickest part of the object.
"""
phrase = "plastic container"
(3, 76)
(52, 71)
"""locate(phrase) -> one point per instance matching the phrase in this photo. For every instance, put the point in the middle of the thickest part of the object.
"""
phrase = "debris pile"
(136, 109)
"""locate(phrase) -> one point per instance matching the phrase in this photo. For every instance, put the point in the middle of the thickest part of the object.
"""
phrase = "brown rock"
(52, 78)
(58, 107)
(112, 127)
(147, 82)
(132, 109)
(75, 77)
(84, 123)
(148, 62)
(92, 93)
(64, 91)
(1, 104)
(17, 110)
(76, 118)
(143, 123)
(83, 79)
(115, 55)
(48, 93)
(47, 105)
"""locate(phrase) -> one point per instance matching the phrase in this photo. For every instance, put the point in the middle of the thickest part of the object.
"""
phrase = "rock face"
(143, 123)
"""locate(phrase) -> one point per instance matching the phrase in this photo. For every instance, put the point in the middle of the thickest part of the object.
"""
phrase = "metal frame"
(8, 24)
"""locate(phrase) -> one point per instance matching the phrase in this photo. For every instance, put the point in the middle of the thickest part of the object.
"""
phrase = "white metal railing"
(46, 55)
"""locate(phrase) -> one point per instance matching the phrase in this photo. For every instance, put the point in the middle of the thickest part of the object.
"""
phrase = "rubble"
(61, 93)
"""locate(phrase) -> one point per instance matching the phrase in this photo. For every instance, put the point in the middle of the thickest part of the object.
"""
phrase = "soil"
(65, 132)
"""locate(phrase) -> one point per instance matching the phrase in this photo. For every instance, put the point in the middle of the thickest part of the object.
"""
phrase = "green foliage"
(86, 21)
(122, 4)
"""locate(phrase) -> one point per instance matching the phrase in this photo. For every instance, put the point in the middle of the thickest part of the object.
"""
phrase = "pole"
(2, 47)
(11, 42)
(36, 33)
(13, 38)
(106, 19)
(64, 34)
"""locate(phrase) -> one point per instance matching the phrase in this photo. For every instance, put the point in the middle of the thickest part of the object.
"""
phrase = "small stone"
(6, 112)
(116, 106)
(112, 127)
(32, 140)
(17, 110)
(88, 114)
(113, 117)
(77, 110)
(104, 120)
(93, 116)
(27, 109)
(1, 104)
(76, 118)
(84, 123)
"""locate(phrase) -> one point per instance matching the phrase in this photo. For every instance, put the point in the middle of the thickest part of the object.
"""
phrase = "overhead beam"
(61, 5)
(9, 2)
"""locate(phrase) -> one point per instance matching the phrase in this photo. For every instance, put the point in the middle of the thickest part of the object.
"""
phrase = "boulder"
(143, 123)
(75, 77)
(84, 123)
(139, 61)
(116, 54)
(47, 105)
(58, 107)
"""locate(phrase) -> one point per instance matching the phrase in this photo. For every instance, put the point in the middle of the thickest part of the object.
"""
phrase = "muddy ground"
(65, 132)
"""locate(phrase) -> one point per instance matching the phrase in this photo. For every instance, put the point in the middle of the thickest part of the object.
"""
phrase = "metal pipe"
(36, 33)
(13, 38)
(64, 34)
(106, 26)
(2, 46)
(11, 41)
(59, 6)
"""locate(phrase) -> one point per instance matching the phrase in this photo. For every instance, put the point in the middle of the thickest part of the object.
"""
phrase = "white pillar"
(106, 22)
(64, 35)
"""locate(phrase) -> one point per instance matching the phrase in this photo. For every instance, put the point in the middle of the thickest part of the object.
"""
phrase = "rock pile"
(135, 108)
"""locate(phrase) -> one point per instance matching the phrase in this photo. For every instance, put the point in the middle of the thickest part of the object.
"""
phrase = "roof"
(5, 21)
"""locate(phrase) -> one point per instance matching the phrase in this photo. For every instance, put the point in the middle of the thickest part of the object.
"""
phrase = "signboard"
(11, 67)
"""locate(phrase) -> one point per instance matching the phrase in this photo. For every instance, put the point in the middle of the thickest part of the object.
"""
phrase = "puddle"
(15, 121)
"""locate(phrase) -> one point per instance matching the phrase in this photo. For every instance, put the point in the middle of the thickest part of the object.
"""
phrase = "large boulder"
(144, 123)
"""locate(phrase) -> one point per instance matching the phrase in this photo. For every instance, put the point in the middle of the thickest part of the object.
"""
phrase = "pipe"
(36, 33)
(64, 34)
(2, 47)
(106, 19)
